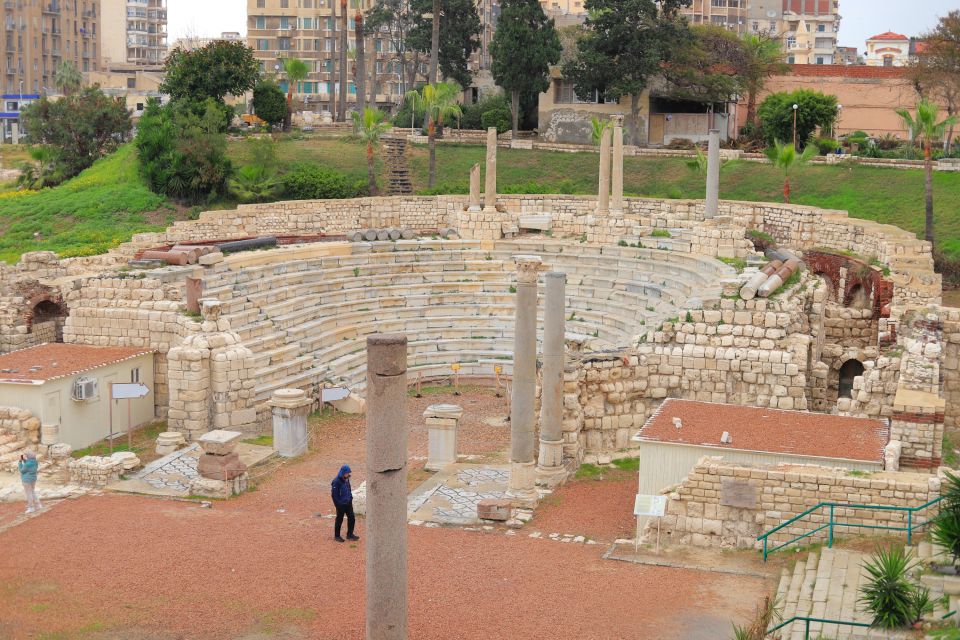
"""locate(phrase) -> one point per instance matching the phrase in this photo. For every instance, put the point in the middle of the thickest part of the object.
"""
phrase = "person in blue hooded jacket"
(343, 501)
(28, 476)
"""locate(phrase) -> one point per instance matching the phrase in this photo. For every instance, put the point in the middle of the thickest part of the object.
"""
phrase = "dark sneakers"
(339, 539)
(353, 537)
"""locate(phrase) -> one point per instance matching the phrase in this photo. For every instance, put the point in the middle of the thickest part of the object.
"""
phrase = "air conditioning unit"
(85, 389)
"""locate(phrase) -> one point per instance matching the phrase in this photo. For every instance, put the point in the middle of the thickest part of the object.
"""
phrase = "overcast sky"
(861, 18)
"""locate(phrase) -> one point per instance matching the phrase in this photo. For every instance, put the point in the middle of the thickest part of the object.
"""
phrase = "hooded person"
(28, 468)
(342, 497)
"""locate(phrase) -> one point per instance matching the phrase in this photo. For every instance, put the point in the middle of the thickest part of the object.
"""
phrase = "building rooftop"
(50, 361)
(888, 35)
(769, 430)
(847, 71)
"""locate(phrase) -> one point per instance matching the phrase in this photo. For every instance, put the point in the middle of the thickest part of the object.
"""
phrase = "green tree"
(81, 128)
(183, 154)
(524, 46)
(214, 71)
(369, 126)
(763, 57)
(704, 65)
(360, 64)
(458, 36)
(438, 102)
(936, 69)
(42, 171)
(623, 45)
(926, 128)
(67, 78)
(294, 71)
(814, 109)
(785, 157)
(269, 102)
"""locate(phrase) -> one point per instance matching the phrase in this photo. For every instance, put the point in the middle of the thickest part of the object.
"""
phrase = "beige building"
(135, 83)
(887, 50)
(134, 31)
(731, 14)
(189, 43)
(68, 385)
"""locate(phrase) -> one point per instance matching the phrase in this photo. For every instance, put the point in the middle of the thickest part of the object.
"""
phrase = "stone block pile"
(222, 474)
(96, 471)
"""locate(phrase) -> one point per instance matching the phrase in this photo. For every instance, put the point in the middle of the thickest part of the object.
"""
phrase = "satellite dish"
(771, 14)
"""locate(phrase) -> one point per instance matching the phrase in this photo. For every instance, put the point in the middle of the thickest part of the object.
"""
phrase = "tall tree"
(342, 110)
(704, 65)
(814, 109)
(67, 78)
(369, 126)
(936, 71)
(925, 128)
(458, 38)
(295, 71)
(763, 57)
(524, 46)
(624, 44)
(438, 102)
(394, 19)
(269, 103)
(434, 41)
(332, 84)
(213, 71)
(361, 62)
(785, 157)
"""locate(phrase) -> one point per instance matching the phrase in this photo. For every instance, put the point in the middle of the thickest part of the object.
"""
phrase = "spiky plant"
(888, 594)
(369, 126)
(786, 158)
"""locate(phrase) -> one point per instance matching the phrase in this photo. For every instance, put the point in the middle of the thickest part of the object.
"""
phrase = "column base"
(521, 490)
(601, 212)
(474, 208)
(492, 209)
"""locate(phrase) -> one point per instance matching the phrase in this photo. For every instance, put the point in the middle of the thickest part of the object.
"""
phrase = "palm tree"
(597, 129)
(437, 101)
(296, 71)
(926, 128)
(762, 57)
(67, 78)
(787, 158)
(369, 126)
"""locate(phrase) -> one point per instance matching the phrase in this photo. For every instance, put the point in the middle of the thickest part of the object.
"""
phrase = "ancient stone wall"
(728, 505)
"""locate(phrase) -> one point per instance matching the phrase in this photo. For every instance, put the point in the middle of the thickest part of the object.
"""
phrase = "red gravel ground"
(601, 510)
(135, 568)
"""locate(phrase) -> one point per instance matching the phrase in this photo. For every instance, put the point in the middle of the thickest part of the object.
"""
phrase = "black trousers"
(345, 510)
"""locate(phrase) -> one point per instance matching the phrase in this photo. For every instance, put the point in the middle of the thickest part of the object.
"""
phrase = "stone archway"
(858, 297)
(46, 321)
(848, 371)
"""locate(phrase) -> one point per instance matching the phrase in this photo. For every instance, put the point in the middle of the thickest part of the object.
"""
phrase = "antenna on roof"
(677, 423)
(725, 438)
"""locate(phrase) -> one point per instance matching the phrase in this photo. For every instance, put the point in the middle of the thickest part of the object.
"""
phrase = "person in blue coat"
(343, 501)
(28, 476)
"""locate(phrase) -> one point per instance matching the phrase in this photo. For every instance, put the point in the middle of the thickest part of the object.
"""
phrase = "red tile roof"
(55, 360)
(847, 71)
(888, 35)
(770, 430)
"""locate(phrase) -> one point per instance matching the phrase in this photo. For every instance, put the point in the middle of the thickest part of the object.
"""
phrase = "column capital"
(527, 268)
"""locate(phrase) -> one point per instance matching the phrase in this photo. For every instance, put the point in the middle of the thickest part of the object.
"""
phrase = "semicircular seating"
(306, 320)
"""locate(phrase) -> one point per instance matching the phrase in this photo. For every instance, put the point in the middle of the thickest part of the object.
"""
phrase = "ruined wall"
(728, 505)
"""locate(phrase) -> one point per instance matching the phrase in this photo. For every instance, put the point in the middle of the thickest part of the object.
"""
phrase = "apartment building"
(37, 36)
(731, 14)
(133, 32)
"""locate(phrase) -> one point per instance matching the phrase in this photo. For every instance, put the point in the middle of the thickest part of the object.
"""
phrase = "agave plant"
(946, 532)
(889, 594)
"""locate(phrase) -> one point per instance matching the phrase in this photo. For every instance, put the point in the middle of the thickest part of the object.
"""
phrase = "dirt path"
(264, 566)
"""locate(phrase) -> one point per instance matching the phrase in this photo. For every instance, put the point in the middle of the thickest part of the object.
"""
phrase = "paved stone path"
(174, 471)
(450, 497)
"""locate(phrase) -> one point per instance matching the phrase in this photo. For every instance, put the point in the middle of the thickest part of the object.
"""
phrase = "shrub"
(888, 593)
(815, 110)
(269, 103)
(681, 143)
(254, 183)
(472, 117)
(827, 146)
(314, 182)
(499, 118)
(761, 241)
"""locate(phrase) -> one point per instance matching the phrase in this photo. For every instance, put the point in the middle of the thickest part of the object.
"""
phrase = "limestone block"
(217, 467)
(493, 509)
(219, 442)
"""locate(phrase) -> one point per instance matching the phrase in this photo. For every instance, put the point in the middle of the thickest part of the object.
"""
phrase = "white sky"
(861, 18)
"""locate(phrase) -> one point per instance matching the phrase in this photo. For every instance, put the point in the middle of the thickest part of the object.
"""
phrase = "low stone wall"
(728, 505)
(95, 471)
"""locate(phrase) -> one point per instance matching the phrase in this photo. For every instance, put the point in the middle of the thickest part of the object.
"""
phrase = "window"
(790, 60)
(131, 83)
(284, 22)
(261, 4)
(821, 28)
(773, 26)
(283, 44)
(819, 59)
(135, 375)
(306, 23)
(564, 94)
(888, 61)
(284, 4)
(260, 22)
(85, 389)
(263, 44)
(755, 25)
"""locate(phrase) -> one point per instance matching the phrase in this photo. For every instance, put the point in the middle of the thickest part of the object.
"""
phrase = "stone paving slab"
(451, 495)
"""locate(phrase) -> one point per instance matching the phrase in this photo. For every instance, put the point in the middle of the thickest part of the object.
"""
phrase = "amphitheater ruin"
(652, 311)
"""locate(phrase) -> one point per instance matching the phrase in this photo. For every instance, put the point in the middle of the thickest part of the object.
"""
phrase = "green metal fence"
(807, 621)
(832, 523)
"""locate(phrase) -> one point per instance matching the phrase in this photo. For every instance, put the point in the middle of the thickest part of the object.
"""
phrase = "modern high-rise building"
(133, 32)
(731, 14)
(38, 35)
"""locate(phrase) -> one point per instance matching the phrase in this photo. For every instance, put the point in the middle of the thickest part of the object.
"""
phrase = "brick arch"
(859, 276)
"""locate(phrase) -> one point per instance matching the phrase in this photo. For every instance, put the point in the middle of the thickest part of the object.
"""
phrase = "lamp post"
(795, 107)
(836, 132)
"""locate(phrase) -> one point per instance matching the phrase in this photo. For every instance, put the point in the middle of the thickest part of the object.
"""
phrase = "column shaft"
(616, 203)
(603, 192)
(522, 409)
(551, 393)
(490, 179)
(475, 187)
(713, 174)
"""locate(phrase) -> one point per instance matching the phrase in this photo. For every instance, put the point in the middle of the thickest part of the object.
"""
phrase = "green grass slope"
(89, 214)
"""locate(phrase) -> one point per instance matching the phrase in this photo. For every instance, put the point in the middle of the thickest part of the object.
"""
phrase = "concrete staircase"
(827, 585)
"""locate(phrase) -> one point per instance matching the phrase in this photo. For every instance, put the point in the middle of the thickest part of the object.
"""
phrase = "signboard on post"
(649, 506)
(126, 391)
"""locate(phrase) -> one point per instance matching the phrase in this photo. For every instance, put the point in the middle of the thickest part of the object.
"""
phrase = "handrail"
(831, 523)
(807, 620)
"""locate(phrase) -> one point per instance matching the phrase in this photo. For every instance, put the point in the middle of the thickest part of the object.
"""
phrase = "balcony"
(52, 7)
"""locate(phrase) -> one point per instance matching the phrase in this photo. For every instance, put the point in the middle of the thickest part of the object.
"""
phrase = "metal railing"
(832, 523)
(806, 620)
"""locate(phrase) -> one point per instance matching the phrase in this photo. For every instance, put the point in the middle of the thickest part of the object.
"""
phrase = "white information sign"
(335, 393)
(646, 505)
(128, 391)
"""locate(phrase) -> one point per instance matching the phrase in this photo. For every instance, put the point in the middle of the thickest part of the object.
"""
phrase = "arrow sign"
(128, 391)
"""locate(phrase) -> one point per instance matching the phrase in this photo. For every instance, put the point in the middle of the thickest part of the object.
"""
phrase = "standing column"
(386, 487)
(523, 417)
(474, 188)
(490, 179)
(550, 465)
(713, 174)
(616, 203)
(603, 192)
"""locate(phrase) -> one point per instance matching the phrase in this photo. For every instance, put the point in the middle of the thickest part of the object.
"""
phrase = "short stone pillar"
(490, 179)
(603, 190)
(219, 460)
(442, 420)
(169, 441)
(521, 490)
(713, 175)
(474, 188)
(616, 200)
(290, 409)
